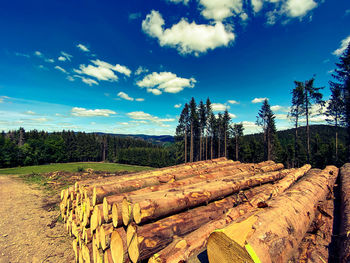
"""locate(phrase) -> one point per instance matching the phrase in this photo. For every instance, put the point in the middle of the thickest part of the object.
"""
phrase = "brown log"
(118, 246)
(87, 253)
(315, 244)
(273, 234)
(182, 249)
(345, 215)
(144, 241)
(159, 204)
(105, 235)
(108, 256)
(99, 192)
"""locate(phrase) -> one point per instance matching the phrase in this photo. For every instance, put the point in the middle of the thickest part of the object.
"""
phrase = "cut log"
(159, 204)
(182, 249)
(273, 234)
(144, 241)
(99, 192)
(345, 215)
(109, 201)
(108, 256)
(118, 246)
(105, 235)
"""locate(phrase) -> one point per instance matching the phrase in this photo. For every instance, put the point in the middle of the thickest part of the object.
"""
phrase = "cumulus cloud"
(102, 70)
(276, 107)
(49, 60)
(187, 38)
(177, 105)
(29, 112)
(140, 115)
(157, 83)
(257, 5)
(40, 119)
(185, 2)
(38, 54)
(140, 99)
(298, 8)
(258, 100)
(343, 45)
(83, 48)
(82, 112)
(125, 96)
(232, 115)
(88, 81)
(233, 102)
(60, 69)
(219, 10)
(64, 56)
(140, 70)
(250, 127)
(219, 107)
(281, 116)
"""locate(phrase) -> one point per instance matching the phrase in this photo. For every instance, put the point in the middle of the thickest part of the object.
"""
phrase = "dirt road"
(26, 218)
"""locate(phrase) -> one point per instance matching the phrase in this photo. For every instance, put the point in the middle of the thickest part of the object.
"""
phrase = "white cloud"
(276, 107)
(244, 16)
(140, 70)
(258, 100)
(42, 67)
(82, 112)
(49, 60)
(298, 8)
(177, 105)
(123, 123)
(219, 107)
(60, 69)
(38, 54)
(102, 70)
(187, 37)
(157, 83)
(140, 99)
(22, 55)
(232, 115)
(185, 2)
(257, 5)
(29, 112)
(343, 45)
(70, 78)
(124, 96)
(250, 127)
(1, 100)
(281, 116)
(88, 81)
(139, 122)
(83, 48)
(40, 119)
(233, 102)
(140, 115)
(219, 10)
(64, 56)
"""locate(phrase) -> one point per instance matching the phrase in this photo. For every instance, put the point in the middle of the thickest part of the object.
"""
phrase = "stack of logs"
(238, 212)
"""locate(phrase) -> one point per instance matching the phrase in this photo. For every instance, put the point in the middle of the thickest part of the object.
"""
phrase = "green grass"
(72, 167)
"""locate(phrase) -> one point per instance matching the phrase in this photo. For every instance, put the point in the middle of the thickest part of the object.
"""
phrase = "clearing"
(30, 229)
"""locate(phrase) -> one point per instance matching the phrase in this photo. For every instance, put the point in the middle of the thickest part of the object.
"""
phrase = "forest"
(201, 135)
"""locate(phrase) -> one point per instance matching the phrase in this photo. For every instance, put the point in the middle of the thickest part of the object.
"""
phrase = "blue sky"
(129, 66)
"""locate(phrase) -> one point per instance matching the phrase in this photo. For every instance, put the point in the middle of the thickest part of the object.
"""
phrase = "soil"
(29, 230)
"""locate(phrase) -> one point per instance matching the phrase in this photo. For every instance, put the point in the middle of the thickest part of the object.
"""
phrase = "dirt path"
(26, 218)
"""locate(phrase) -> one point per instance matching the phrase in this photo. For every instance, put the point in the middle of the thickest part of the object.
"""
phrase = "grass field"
(73, 167)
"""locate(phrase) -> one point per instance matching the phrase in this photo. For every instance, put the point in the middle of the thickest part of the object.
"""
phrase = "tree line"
(201, 135)
(22, 148)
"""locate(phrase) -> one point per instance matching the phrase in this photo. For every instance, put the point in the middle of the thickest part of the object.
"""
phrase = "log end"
(115, 215)
(94, 195)
(126, 211)
(133, 247)
(222, 249)
(136, 213)
(105, 209)
(117, 248)
(94, 218)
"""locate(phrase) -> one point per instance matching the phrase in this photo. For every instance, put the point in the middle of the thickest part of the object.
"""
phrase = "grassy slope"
(73, 167)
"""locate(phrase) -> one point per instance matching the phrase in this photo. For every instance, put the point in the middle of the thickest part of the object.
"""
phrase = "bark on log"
(345, 216)
(98, 193)
(182, 249)
(273, 234)
(159, 204)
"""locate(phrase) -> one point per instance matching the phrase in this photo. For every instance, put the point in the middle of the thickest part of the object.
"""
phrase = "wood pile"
(175, 213)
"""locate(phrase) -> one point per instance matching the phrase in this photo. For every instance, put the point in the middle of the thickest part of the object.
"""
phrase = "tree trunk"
(191, 147)
(118, 246)
(296, 150)
(211, 147)
(206, 147)
(185, 145)
(219, 153)
(200, 147)
(236, 148)
(268, 144)
(264, 234)
(182, 249)
(345, 213)
(307, 126)
(225, 144)
(336, 141)
(160, 204)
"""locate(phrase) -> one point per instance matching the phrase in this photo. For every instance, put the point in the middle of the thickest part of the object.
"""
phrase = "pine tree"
(341, 77)
(182, 129)
(266, 119)
(202, 127)
(226, 124)
(194, 122)
(212, 129)
(237, 132)
(312, 96)
(208, 112)
(335, 112)
(219, 128)
(296, 111)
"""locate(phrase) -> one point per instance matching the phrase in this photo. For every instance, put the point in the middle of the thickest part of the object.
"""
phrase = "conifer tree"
(237, 132)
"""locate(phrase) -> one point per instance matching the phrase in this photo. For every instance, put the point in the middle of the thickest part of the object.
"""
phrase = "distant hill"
(156, 139)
